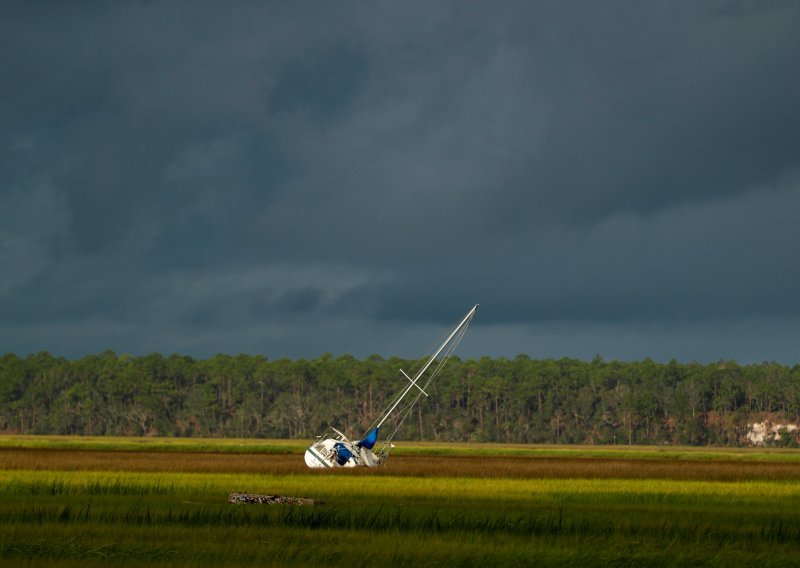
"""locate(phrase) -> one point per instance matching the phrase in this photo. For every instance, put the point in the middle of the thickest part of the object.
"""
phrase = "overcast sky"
(291, 178)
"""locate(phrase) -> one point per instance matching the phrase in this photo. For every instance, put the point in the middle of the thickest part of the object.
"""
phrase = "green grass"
(603, 452)
(404, 448)
(80, 517)
(133, 444)
(182, 519)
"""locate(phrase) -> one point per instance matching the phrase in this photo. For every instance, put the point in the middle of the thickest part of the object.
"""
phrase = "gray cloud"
(201, 178)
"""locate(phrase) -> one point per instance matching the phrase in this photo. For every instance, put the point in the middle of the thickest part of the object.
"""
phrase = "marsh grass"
(131, 508)
(414, 466)
(405, 448)
(360, 487)
(154, 444)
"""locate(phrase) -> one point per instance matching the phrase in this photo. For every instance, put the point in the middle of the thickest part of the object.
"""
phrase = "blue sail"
(369, 441)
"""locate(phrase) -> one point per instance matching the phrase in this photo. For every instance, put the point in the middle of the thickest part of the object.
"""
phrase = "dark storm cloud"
(294, 179)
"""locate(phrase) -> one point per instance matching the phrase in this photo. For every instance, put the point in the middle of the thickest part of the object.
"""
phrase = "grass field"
(162, 502)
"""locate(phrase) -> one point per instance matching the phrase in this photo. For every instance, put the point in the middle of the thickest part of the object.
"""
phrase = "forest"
(519, 400)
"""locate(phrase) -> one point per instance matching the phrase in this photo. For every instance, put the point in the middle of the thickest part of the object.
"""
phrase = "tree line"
(519, 400)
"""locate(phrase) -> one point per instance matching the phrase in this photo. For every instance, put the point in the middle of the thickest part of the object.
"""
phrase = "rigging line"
(447, 353)
(437, 344)
(413, 371)
(446, 356)
(401, 415)
(444, 350)
(441, 340)
(405, 413)
(395, 398)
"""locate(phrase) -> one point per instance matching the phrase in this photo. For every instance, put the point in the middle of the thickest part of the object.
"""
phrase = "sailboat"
(334, 449)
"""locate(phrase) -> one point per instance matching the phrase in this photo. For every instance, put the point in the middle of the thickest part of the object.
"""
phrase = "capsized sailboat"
(334, 449)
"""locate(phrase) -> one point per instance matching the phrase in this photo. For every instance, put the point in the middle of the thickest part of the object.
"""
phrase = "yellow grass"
(146, 502)
(404, 448)
(434, 488)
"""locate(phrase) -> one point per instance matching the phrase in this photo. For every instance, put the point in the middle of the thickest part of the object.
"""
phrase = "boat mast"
(428, 364)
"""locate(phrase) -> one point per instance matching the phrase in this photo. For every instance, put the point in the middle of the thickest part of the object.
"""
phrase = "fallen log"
(255, 499)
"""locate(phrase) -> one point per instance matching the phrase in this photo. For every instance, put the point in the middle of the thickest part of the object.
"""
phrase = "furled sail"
(369, 441)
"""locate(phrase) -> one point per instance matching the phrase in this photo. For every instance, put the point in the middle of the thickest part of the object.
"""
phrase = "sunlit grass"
(153, 444)
(347, 489)
(404, 448)
(159, 507)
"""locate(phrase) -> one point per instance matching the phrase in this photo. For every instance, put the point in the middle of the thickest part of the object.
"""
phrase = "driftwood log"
(255, 499)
